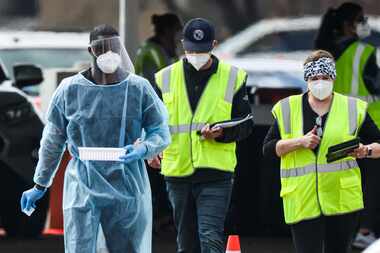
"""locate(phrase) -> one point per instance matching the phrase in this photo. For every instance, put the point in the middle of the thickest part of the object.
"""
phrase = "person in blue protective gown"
(105, 106)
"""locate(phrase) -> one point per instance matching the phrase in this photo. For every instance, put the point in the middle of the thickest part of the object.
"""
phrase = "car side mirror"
(27, 75)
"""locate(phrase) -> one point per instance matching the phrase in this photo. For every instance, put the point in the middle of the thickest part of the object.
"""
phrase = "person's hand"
(311, 140)
(133, 153)
(29, 198)
(360, 152)
(155, 163)
(211, 133)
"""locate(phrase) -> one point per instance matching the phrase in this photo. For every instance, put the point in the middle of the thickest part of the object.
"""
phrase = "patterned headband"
(323, 66)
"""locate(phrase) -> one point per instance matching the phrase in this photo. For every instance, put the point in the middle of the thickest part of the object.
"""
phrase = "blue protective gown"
(117, 195)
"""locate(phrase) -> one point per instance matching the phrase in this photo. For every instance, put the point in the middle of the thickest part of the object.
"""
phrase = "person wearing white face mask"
(342, 32)
(104, 106)
(199, 164)
(321, 200)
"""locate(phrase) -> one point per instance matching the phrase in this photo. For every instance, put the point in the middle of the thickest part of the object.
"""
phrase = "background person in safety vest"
(156, 53)
(160, 50)
(321, 200)
(341, 32)
(199, 165)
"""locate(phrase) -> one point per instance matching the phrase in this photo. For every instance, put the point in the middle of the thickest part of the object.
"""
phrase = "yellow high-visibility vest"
(349, 81)
(309, 185)
(188, 151)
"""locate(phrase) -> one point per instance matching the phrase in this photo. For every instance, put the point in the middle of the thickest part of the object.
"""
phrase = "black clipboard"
(342, 150)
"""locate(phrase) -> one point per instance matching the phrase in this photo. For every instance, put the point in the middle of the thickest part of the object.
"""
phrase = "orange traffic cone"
(233, 244)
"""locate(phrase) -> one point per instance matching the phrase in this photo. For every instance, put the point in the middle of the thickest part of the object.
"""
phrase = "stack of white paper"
(101, 154)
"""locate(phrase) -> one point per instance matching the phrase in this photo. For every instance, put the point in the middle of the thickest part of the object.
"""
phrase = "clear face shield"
(113, 63)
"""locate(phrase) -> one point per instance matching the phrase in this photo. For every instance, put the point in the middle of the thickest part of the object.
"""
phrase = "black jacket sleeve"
(369, 132)
(270, 141)
(371, 75)
(156, 88)
(240, 109)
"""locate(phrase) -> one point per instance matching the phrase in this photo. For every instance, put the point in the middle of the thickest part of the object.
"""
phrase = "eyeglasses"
(318, 123)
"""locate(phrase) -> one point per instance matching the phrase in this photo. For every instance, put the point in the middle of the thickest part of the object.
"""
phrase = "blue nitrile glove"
(29, 198)
(133, 153)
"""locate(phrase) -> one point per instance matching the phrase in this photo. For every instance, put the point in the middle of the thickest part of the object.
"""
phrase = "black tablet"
(342, 150)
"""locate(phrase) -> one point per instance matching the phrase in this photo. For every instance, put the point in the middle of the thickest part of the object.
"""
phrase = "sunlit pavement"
(162, 243)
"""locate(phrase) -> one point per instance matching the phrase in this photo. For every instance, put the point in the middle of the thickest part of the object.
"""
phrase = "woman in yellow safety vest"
(321, 200)
(341, 33)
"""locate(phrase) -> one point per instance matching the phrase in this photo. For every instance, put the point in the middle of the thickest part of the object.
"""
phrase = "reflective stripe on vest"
(285, 109)
(322, 168)
(228, 97)
(186, 128)
(166, 80)
(231, 84)
(356, 69)
(352, 112)
(353, 115)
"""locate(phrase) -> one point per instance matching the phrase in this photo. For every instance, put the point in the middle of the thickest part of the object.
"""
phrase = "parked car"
(46, 49)
(20, 133)
(285, 38)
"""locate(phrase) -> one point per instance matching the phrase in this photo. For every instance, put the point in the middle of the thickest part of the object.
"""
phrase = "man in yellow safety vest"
(199, 164)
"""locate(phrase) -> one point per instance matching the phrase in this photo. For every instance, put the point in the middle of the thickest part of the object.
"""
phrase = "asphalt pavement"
(162, 243)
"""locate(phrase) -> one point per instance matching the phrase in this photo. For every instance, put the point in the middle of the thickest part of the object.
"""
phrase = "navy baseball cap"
(198, 35)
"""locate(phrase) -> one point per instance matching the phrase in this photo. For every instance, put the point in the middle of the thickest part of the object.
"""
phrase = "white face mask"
(363, 30)
(321, 89)
(198, 60)
(108, 62)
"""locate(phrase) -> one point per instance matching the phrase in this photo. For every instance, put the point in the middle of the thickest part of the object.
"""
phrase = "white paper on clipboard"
(100, 154)
(232, 123)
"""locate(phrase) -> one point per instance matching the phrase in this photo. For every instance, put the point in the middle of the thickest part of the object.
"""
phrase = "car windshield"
(44, 58)
(291, 41)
